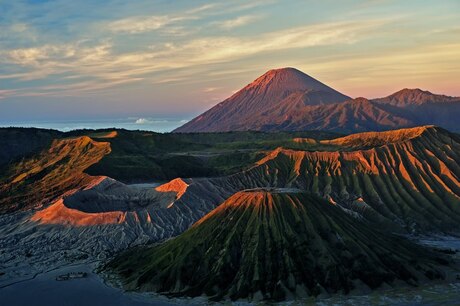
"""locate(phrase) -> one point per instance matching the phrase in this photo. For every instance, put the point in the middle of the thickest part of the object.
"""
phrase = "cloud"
(237, 22)
(227, 48)
(142, 121)
(201, 9)
(32, 56)
(384, 72)
(58, 55)
(140, 24)
(211, 89)
(19, 27)
(103, 67)
(6, 93)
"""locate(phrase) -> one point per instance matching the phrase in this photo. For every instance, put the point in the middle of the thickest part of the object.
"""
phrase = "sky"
(68, 60)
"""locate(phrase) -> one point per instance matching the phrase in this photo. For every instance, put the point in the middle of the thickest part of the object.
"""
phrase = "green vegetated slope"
(39, 165)
(274, 245)
(19, 143)
(143, 156)
(408, 176)
(37, 180)
(412, 181)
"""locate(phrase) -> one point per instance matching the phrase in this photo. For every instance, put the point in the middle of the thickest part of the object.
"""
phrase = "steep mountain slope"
(410, 177)
(355, 115)
(47, 175)
(423, 107)
(22, 142)
(399, 181)
(409, 97)
(271, 90)
(288, 100)
(273, 245)
(132, 156)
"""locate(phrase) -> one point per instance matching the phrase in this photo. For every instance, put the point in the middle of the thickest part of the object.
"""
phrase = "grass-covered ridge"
(39, 165)
(275, 245)
(409, 177)
(41, 178)
(414, 182)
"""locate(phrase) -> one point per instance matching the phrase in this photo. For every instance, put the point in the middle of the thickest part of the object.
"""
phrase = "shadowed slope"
(276, 89)
(38, 180)
(21, 142)
(408, 97)
(355, 115)
(423, 107)
(274, 245)
(289, 100)
(414, 182)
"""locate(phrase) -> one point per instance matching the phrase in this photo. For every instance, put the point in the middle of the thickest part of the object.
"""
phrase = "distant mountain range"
(289, 100)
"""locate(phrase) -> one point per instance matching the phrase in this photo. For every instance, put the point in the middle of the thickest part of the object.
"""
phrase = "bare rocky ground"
(93, 224)
(33, 250)
(89, 226)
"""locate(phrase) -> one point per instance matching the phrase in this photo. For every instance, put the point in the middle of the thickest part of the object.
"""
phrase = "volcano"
(274, 244)
(272, 92)
(289, 100)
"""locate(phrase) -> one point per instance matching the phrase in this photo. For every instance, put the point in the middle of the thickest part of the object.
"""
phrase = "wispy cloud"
(6, 93)
(106, 68)
(53, 49)
(211, 89)
(237, 22)
(227, 48)
(141, 24)
(381, 73)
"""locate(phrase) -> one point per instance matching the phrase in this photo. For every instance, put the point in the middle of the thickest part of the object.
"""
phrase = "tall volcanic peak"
(287, 79)
(267, 95)
(289, 100)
